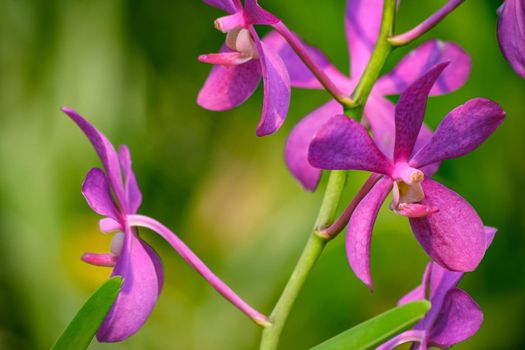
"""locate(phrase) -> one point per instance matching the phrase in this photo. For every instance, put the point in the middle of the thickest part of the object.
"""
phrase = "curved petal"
(229, 86)
(276, 88)
(459, 318)
(255, 14)
(511, 34)
(362, 22)
(300, 75)
(230, 6)
(360, 228)
(98, 194)
(131, 187)
(344, 144)
(141, 270)
(453, 237)
(420, 60)
(461, 131)
(405, 337)
(410, 111)
(379, 113)
(105, 150)
(298, 143)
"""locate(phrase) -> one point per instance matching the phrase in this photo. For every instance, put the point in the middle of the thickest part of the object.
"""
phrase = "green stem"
(316, 243)
(311, 252)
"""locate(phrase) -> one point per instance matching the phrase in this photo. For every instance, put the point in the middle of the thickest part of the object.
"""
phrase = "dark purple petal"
(344, 144)
(105, 150)
(461, 131)
(362, 22)
(360, 229)
(131, 187)
(511, 34)
(229, 86)
(453, 237)
(410, 111)
(298, 143)
(300, 75)
(230, 6)
(459, 318)
(379, 113)
(255, 14)
(276, 88)
(141, 271)
(420, 60)
(98, 194)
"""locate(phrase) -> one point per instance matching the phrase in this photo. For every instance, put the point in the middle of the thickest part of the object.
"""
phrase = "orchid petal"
(108, 225)
(360, 229)
(410, 111)
(229, 86)
(296, 149)
(131, 187)
(511, 34)
(461, 131)
(362, 23)
(415, 210)
(420, 60)
(379, 113)
(98, 194)
(230, 6)
(460, 318)
(344, 144)
(405, 337)
(300, 75)
(255, 14)
(454, 236)
(141, 270)
(105, 150)
(104, 259)
(276, 88)
(233, 58)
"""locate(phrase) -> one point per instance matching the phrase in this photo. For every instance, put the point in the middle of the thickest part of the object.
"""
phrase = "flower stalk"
(426, 25)
(319, 73)
(316, 243)
(194, 261)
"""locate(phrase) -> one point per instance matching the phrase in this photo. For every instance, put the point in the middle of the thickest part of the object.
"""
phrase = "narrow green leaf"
(83, 327)
(377, 330)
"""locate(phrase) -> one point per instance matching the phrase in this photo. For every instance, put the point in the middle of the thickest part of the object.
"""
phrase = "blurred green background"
(131, 68)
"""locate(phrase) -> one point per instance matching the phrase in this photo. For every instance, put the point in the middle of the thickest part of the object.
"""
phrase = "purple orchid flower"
(114, 193)
(447, 227)
(241, 63)
(511, 34)
(362, 22)
(454, 316)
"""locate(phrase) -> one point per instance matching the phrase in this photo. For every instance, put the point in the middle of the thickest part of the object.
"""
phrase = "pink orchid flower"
(447, 227)
(511, 34)
(243, 60)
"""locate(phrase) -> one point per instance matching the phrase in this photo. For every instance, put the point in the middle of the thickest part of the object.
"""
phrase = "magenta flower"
(454, 316)
(362, 22)
(511, 34)
(114, 193)
(241, 63)
(447, 227)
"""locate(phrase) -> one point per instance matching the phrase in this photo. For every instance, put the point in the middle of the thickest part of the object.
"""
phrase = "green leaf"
(83, 327)
(377, 330)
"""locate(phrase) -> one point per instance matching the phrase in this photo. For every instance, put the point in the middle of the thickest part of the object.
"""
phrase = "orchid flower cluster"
(359, 128)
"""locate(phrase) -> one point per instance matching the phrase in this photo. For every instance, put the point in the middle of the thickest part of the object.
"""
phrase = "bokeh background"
(131, 68)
